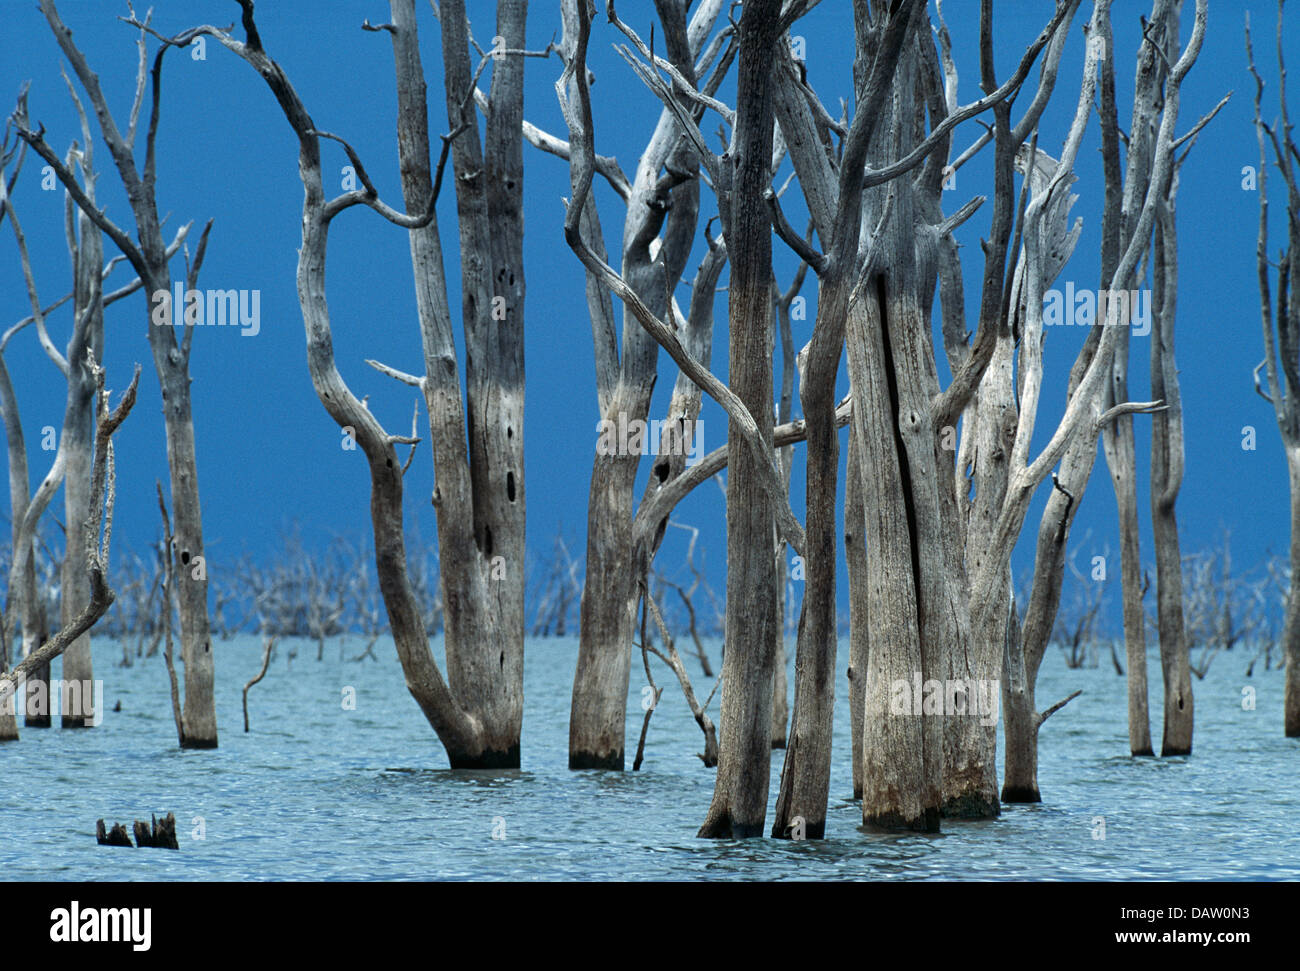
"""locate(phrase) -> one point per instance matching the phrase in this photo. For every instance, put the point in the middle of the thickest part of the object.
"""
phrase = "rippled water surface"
(315, 792)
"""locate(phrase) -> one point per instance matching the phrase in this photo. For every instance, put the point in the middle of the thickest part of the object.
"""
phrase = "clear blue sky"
(270, 456)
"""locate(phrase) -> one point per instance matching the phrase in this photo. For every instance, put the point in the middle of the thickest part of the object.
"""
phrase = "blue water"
(316, 792)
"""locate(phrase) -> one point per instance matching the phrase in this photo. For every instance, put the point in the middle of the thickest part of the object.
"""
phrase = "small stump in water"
(162, 833)
(117, 836)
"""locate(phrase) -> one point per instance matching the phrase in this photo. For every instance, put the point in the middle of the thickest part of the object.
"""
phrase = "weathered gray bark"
(574, 92)
(780, 686)
(805, 776)
(652, 267)
(1081, 416)
(1166, 479)
(86, 344)
(1118, 438)
(478, 494)
(855, 554)
(739, 806)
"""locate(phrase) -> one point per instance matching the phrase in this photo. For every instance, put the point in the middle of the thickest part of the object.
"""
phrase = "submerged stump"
(162, 836)
(117, 836)
(159, 833)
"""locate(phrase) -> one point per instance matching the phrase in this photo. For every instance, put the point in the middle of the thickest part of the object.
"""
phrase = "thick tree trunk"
(1020, 719)
(739, 806)
(598, 714)
(485, 643)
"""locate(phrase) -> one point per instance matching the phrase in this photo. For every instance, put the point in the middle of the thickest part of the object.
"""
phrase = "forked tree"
(476, 438)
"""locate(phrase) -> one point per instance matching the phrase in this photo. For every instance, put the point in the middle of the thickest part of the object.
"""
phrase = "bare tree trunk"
(855, 554)
(1027, 644)
(79, 440)
(23, 595)
(739, 806)
(1166, 479)
(1118, 438)
(651, 266)
(1291, 623)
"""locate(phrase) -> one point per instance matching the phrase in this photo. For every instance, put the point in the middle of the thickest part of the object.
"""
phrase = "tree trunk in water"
(199, 717)
(1028, 643)
(1291, 626)
(739, 806)
(598, 715)
(1166, 479)
(78, 440)
(855, 553)
(598, 711)
(1122, 462)
(780, 685)
(485, 659)
(1020, 719)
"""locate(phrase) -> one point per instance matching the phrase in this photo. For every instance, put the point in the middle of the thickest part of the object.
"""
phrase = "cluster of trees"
(938, 478)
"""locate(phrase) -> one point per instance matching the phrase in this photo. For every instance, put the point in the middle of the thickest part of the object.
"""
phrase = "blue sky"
(269, 456)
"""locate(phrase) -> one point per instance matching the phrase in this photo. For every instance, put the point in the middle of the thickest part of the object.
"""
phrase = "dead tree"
(477, 446)
(1132, 206)
(94, 537)
(71, 466)
(1167, 465)
(1281, 364)
(663, 195)
(147, 253)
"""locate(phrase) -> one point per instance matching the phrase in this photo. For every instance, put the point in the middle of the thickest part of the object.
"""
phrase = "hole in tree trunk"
(510, 486)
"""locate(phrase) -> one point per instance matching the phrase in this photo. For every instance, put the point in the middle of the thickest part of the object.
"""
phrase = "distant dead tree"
(1281, 364)
(560, 590)
(1076, 627)
(1223, 609)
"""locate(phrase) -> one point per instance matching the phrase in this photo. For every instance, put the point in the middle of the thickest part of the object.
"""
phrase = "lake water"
(316, 792)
